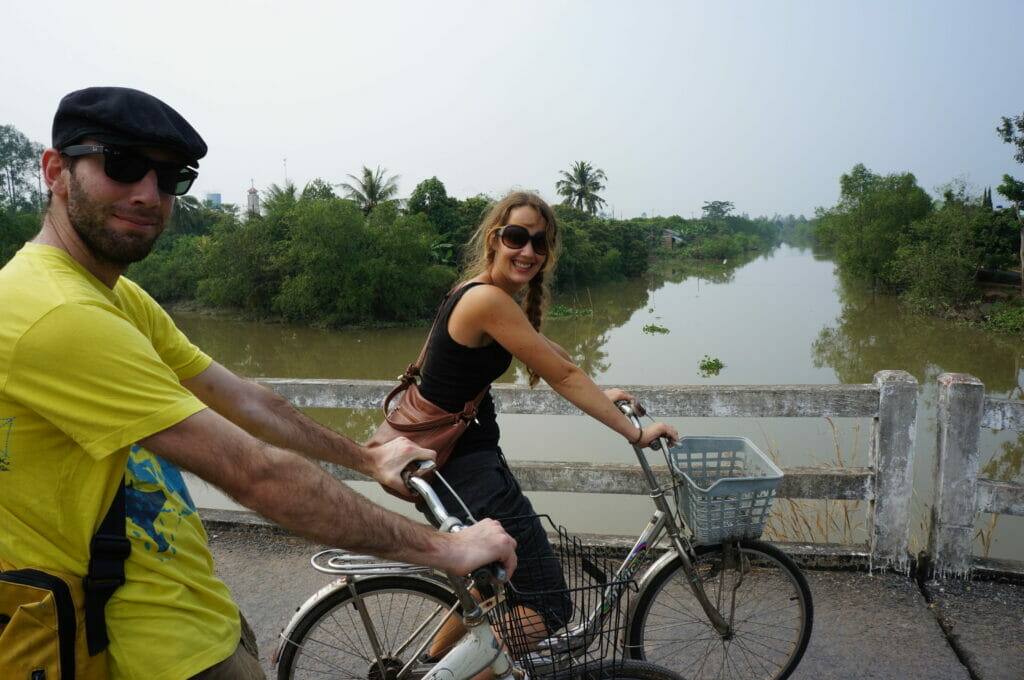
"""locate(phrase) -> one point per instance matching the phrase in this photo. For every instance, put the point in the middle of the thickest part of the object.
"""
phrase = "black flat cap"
(124, 117)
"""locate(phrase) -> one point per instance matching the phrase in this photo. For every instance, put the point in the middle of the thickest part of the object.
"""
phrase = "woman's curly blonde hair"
(481, 248)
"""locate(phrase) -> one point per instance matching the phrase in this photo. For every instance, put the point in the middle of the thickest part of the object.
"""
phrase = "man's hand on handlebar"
(479, 545)
(387, 462)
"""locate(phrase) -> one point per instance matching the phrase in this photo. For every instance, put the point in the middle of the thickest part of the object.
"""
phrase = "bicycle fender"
(644, 582)
(302, 610)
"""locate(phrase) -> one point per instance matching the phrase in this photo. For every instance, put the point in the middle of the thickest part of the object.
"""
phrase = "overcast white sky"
(764, 104)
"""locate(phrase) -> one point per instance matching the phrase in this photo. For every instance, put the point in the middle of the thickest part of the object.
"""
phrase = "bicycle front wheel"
(374, 633)
(764, 594)
(625, 669)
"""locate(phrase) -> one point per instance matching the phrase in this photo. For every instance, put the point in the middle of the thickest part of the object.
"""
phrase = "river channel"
(779, 318)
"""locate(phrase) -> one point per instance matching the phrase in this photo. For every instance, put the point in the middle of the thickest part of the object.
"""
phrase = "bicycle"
(717, 603)
(361, 626)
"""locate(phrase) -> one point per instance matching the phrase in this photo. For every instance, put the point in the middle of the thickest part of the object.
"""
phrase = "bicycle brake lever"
(631, 407)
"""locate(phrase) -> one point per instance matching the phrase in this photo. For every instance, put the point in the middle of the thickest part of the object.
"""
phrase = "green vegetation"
(889, 233)
(709, 366)
(20, 181)
(580, 185)
(1006, 319)
(370, 189)
(717, 236)
(563, 312)
(353, 253)
(653, 328)
(20, 196)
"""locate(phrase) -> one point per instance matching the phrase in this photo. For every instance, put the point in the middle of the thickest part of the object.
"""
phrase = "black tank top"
(453, 374)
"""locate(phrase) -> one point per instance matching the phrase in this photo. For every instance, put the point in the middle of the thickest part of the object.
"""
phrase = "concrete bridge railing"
(890, 401)
(960, 494)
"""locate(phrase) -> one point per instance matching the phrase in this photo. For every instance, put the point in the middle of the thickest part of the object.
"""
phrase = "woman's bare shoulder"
(487, 294)
(486, 301)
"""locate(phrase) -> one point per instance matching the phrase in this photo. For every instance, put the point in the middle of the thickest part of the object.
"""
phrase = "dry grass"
(984, 536)
(820, 521)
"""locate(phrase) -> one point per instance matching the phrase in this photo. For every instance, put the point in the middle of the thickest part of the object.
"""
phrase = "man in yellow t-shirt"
(97, 384)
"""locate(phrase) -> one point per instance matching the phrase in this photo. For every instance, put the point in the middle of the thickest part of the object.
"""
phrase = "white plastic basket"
(728, 487)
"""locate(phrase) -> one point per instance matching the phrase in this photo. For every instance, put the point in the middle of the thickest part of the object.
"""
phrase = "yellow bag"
(42, 628)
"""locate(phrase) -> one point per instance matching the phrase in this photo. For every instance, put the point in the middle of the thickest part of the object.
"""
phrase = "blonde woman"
(481, 326)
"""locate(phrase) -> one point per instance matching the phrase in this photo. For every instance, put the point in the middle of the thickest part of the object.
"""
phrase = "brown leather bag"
(417, 418)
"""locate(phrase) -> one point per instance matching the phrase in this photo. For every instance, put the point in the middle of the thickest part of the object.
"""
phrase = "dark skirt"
(489, 489)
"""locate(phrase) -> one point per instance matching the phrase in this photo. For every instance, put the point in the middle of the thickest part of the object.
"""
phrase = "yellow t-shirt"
(85, 373)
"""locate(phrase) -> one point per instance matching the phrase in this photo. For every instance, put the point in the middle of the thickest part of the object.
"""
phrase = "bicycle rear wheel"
(372, 635)
(766, 595)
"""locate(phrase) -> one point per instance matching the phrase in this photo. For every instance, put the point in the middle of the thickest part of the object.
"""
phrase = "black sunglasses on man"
(128, 167)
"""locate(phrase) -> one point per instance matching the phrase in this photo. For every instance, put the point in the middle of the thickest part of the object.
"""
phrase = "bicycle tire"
(626, 669)
(774, 614)
(331, 640)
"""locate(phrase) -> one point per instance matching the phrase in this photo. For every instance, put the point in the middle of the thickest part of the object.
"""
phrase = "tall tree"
(277, 197)
(580, 185)
(865, 228)
(317, 190)
(1012, 132)
(19, 169)
(717, 210)
(372, 189)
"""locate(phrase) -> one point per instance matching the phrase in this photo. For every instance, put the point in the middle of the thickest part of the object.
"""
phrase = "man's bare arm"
(265, 414)
(297, 494)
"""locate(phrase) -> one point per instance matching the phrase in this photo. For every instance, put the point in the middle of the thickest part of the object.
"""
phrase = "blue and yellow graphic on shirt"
(157, 500)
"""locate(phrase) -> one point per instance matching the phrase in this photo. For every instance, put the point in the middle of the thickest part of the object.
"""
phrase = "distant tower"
(213, 199)
(253, 201)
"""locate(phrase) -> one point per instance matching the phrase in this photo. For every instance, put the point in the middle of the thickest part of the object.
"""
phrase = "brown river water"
(779, 318)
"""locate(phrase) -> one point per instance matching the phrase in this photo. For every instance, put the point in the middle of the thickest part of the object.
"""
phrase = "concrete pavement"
(878, 625)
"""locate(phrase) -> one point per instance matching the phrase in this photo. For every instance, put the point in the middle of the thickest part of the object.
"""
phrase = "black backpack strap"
(107, 553)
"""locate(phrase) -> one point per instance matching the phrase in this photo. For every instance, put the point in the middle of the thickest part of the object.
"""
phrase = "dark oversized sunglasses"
(516, 237)
(128, 167)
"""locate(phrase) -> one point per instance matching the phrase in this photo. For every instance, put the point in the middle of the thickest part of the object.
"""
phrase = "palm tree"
(580, 186)
(280, 198)
(372, 189)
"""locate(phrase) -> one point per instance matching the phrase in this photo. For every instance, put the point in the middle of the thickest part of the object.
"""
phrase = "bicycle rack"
(338, 561)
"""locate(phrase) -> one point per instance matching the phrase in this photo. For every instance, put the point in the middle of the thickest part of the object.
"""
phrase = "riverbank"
(867, 625)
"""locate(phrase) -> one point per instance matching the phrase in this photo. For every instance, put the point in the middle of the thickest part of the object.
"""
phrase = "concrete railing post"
(957, 458)
(892, 456)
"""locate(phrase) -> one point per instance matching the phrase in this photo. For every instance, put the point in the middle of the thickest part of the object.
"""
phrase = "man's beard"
(89, 220)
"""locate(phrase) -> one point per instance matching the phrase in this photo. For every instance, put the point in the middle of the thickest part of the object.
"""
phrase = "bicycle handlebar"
(634, 410)
(414, 478)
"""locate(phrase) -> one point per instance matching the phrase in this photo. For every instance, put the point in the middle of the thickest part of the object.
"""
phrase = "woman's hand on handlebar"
(616, 395)
(655, 430)
(479, 545)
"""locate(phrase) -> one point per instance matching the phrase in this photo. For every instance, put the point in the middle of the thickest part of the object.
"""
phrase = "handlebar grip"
(632, 408)
(417, 468)
(491, 572)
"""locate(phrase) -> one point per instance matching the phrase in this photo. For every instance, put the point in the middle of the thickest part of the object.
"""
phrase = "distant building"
(213, 199)
(670, 237)
(253, 202)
